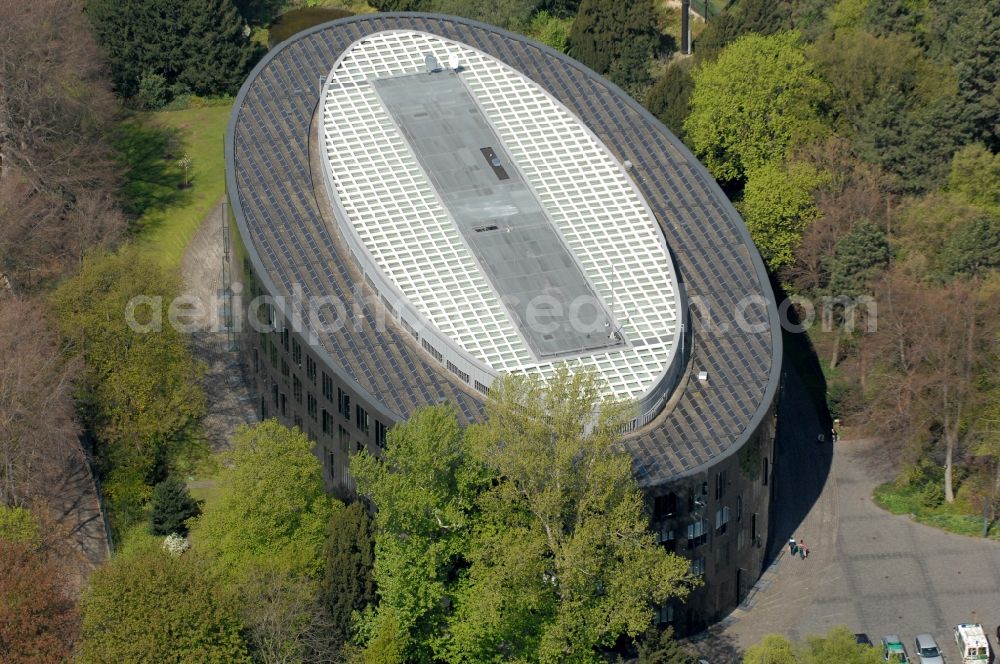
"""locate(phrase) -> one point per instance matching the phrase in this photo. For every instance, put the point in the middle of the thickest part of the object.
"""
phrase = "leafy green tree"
(973, 249)
(140, 393)
(273, 509)
(172, 506)
(717, 34)
(857, 256)
(147, 606)
(756, 102)
(551, 30)
(778, 205)
(348, 585)
(424, 487)
(565, 554)
(773, 649)
(975, 176)
(618, 39)
(18, 525)
(669, 98)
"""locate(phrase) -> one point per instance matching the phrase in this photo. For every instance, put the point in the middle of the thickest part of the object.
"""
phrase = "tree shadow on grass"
(150, 158)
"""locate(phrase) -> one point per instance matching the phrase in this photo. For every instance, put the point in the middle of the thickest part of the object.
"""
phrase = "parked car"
(863, 640)
(927, 649)
(893, 650)
(972, 644)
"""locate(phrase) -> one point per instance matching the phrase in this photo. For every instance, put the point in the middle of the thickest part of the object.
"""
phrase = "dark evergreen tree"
(172, 506)
(972, 249)
(348, 584)
(217, 51)
(915, 145)
(764, 17)
(669, 98)
(198, 46)
(856, 258)
(895, 16)
(616, 38)
(975, 50)
(259, 12)
(660, 647)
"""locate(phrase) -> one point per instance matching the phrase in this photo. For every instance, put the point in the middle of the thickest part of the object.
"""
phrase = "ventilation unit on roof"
(703, 376)
(453, 62)
(431, 64)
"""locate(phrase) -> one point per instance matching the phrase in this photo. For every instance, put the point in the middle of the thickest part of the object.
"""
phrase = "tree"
(551, 30)
(669, 98)
(493, 545)
(615, 38)
(975, 176)
(261, 12)
(764, 17)
(508, 14)
(660, 647)
(18, 525)
(565, 553)
(146, 605)
(838, 645)
(424, 487)
(897, 16)
(778, 205)
(38, 619)
(348, 585)
(273, 510)
(172, 506)
(974, 43)
(217, 51)
(973, 249)
(197, 46)
(773, 649)
(140, 391)
(856, 258)
(34, 379)
(57, 170)
(760, 99)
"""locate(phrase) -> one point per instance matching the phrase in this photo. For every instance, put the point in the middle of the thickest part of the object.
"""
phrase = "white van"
(972, 644)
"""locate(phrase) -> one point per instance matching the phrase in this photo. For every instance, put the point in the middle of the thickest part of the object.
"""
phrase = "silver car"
(927, 650)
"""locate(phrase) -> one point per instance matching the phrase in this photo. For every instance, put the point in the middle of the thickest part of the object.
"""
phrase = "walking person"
(802, 549)
(792, 546)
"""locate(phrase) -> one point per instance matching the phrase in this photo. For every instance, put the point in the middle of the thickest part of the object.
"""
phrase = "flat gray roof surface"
(516, 244)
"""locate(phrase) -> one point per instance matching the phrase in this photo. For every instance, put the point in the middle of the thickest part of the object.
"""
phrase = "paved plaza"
(868, 569)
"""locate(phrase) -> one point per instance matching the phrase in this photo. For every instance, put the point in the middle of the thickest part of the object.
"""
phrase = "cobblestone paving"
(868, 569)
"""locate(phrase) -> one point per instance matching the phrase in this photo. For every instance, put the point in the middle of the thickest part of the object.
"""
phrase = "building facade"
(341, 169)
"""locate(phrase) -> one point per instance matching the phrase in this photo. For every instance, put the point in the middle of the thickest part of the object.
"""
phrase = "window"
(721, 519)
(327, 422)
(720, 485)
(380, 434)
(311, 369)
(739, 508)
(328, 387)
(296, 352)
(667, 538)
(263, 409)
(764, 472)
(344, 405)
(297, 421)
(665, 614)
(274, 395)
(344, 439)
(359, 446)
(284, 338)
(284, 368)
(361, 418)
(664, 506)
(297, 389)
(697, 533)
(741, 539)
(697, 566)
(256, 361)
(274, 354)
(311, 405)
(284, 401)
(331, 464)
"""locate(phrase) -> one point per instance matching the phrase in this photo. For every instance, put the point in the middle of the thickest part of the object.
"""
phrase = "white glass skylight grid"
(394, 211)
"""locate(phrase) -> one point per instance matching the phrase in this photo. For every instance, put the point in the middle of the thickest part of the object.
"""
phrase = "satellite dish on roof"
(453, 62)
(431, 63)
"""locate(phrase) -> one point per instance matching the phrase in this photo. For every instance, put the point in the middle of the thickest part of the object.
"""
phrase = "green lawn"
(954, 518)
(153, 145)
